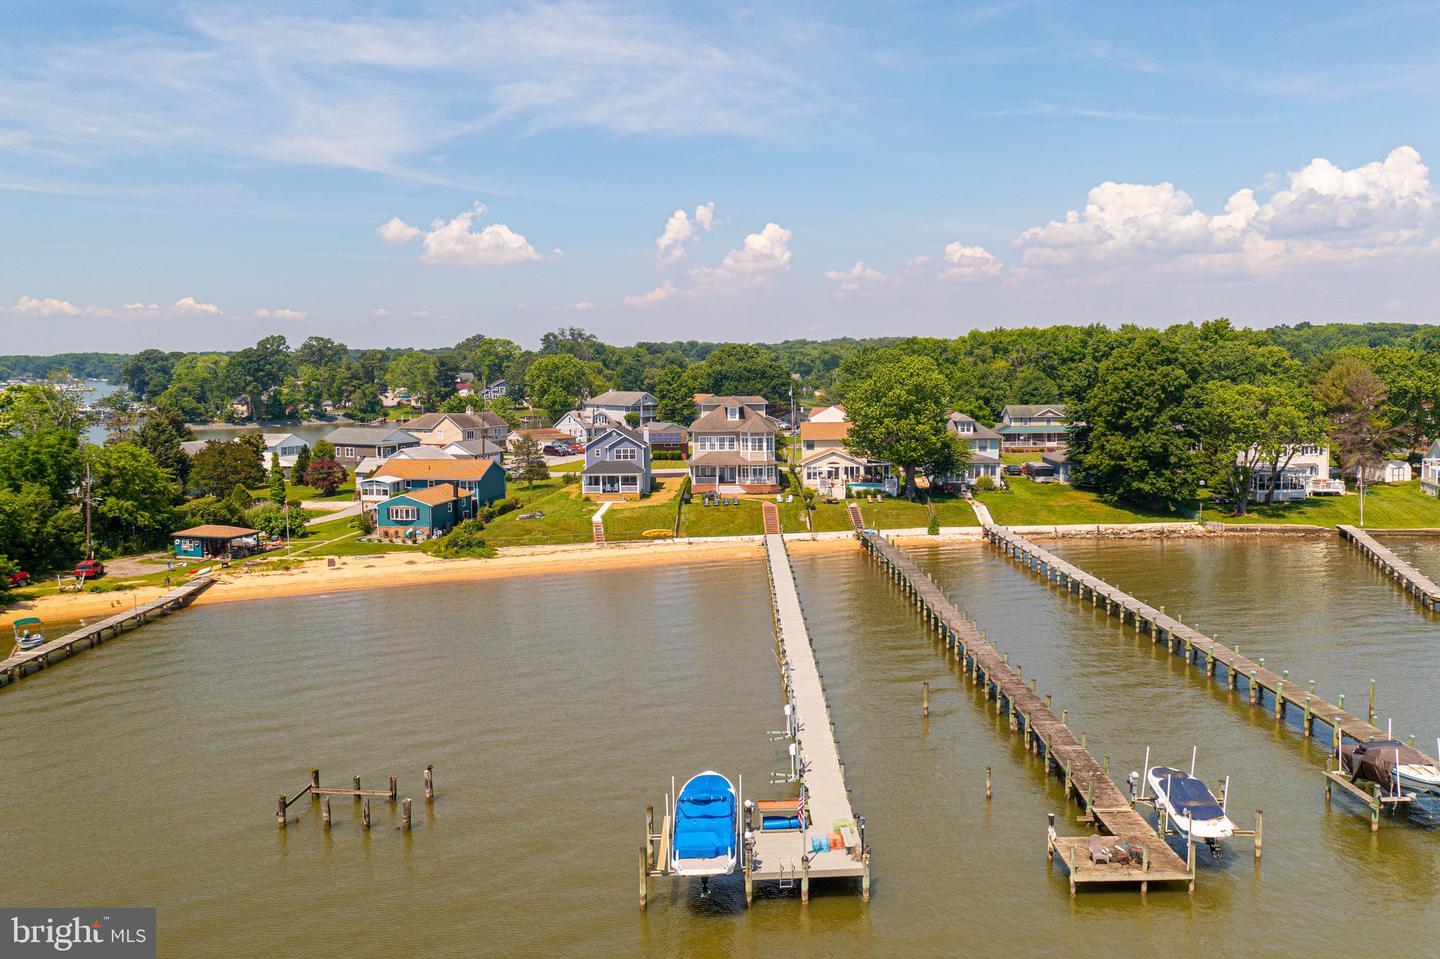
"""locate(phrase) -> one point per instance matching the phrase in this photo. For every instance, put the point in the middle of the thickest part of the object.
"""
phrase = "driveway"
(351, 508)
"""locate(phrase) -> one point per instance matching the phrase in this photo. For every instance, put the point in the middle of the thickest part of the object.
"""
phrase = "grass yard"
(574, 467)
(747, 519)
(344, 493)
(1397, 506)
(1027, 503)
(567, 517)
(1008, 458)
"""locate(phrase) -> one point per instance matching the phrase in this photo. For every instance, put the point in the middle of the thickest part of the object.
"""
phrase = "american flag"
(800, 806)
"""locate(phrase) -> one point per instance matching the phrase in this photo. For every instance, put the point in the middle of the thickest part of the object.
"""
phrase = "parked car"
(558, 449)
(19, 578)
(1014, 469)
(90, 568)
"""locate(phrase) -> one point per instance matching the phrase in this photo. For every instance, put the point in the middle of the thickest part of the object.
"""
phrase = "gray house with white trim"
(617, 465)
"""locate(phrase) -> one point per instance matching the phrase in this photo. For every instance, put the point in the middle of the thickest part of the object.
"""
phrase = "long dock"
(1197, 648)
(24, 662)
(1410, 579)
(1045, 733)
(784, 856)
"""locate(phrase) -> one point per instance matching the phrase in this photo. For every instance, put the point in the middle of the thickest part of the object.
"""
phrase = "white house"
(1306, 474)
(616, 403)
(1430, 470)
(1034, 427)
(984, 446)
(826, 464)
(829, 414)
(584, 425)
(288, 445)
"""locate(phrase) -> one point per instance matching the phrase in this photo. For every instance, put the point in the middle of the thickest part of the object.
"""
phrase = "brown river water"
(555, 708)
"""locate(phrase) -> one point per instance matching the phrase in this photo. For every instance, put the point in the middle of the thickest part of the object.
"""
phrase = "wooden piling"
(405, 815)
(925, 699)
(325, 811)
(987, 782)
(280, 811)
(644, 880)
(1259, 831)
(365, 812)
(314, 779)
(394, 788)
(430, 784)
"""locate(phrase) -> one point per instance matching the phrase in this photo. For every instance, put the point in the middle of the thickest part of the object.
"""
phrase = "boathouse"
(213, 540)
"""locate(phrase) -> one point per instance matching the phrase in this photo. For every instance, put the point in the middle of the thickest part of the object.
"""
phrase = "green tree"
(258, 372)
(48, 457)
(1354, 399)
(897, 414)
(1242, 427)
(557, 383)
(324, 450)
(528, 461)
(1134, 438)
(37, 531)
(419, 373)
(38, 406)
(675, 395)
(148, 372)
(743, 369)
(277, 480)
(161, 432)
(302, 463)
(325, 475)
(134, 498)
(465, 540)
(197, 387)
(321, 352)
(504, 407)
(221, 465)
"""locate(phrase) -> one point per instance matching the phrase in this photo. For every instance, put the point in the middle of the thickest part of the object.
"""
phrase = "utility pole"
(89, 546)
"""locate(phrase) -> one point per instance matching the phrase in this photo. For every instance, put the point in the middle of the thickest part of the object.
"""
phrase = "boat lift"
(1139, 796)
(1423, 809)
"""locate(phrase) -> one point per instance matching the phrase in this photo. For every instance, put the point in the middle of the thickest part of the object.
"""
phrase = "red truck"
(89, 569)
(19, 578)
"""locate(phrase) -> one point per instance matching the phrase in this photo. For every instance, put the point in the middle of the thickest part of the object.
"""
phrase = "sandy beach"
(383, 571)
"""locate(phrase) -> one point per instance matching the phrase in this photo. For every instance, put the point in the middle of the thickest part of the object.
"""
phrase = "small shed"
(212, 540)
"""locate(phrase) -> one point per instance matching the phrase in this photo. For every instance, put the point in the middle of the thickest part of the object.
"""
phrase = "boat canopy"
(1188, 795)
(705, 818)
(27, 621)
(1375, 761)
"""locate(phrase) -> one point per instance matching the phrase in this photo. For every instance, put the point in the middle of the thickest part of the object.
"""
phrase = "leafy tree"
(465, 540)
(488, 357)
(275, 521)
(221, 465)
(255, 441)
(258, 372)
(38, 406)
(277, 480)
(302, 463)
(324, 450)
(897, 414)
(365, 401)
(161, 432)
(421, 374)
(240, 499)
(743, 369)
(325, 475)
(528, 461)
(504, 407)
(1133, 436)
(321, 351)
(38, 531)
(48, 457)
(557, 383)
(148, 372)
(210, 510)
(197, 387)
(573, 341)
(1244, 426)
(675, 395)
(1354, 398)
(134, 498)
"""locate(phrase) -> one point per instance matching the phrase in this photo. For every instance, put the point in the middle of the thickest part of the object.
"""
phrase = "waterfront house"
(584, 425)
(616, 404)
(441, 429)
(423, 514)
(1306, 474)
(1430, 470)
(398, 474)
(495, 390)
(617, 465)
(732, 449)
(1033, 427)
(287, 445)
(709, 403)
(213, 541)
(354, 443)
(984, 444)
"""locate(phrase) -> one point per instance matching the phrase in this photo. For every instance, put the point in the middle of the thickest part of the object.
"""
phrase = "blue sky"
(199, 175)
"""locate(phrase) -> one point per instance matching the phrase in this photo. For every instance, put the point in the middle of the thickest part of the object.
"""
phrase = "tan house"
(732, 447)
(826, 464)
(442, 429)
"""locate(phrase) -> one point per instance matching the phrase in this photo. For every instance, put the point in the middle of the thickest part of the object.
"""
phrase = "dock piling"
(325, 811)
(365, 812)
(405, 815)
(987, 782)
(280, 811)
(429, 783)
(925, 699)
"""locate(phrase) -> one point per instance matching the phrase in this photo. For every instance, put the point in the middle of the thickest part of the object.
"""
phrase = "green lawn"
(1398, 506)
(1008, 458)
(300, 491)
(574, 467)
(826, 517)
(631, 523)
(747, 519)
(567, 517)
(1027, 503)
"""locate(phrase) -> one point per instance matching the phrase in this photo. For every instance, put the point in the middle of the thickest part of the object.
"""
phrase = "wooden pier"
(1031, 716)
(24, 662)
(784, 856)
(1219, 662)
(1407, 577)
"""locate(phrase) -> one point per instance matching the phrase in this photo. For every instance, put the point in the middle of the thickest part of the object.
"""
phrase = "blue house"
(423, 514)
(617, 465)
(213, 541)
(482, 478)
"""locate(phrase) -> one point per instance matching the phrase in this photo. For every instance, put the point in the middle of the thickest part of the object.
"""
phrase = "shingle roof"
(658, 426)
(728, 458)
(824, 431)
(1034, 409)
(480, 447)
(612, 468)
(605, 436)
(433, 495)
(1057, 458)
(485, 420)
(543, 434)
(369, 436)
(424, 453)
(216, 531)
(619, 398)
(445, 469)
(978, 430)
(833, 451)
(750, 421)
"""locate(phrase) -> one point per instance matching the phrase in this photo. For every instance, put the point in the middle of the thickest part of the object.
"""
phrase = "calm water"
(555, 708)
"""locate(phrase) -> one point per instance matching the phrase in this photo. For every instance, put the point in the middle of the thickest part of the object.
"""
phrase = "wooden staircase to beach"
(857, 519)
(772, 518)
(597, 527)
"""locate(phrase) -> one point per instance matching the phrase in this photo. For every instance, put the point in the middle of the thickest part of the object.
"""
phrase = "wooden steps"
(772, 519)
(857, 519)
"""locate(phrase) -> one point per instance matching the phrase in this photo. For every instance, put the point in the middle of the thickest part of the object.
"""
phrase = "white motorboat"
(1380, 760)
(704, 839)
(1191, 807)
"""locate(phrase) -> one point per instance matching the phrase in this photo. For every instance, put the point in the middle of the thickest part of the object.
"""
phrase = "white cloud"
(662, 292)
(380, 311)
(49, 306)
(141, 308)
(764, 253)
(679, 230)
(456, 241)
(189, 305)
(396, 231)
(582, 306)
(263, 314)
(858, 279)
(969, 263)
(1318, 213)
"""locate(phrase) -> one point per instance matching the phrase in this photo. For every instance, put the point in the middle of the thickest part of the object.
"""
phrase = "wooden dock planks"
(1084, 776)
(783, 855)
(1196, 647)
(22, 663)
(1417, 584)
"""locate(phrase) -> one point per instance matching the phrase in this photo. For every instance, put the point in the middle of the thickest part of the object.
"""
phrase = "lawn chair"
(1099, 852)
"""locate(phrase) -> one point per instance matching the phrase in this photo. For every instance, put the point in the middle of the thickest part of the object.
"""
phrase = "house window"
(732, 412)
(812, 473)
(403, 514)
(469, 434)
(349, 452)
(629, 482)
(625, 453)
